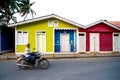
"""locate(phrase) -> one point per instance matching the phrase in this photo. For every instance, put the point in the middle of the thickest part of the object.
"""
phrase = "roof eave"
(46, 17)
(101, 21)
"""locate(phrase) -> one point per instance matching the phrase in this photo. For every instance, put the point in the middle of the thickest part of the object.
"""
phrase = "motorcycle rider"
(28, 54)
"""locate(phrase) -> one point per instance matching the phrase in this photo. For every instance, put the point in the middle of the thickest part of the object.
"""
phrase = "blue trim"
(57, 39)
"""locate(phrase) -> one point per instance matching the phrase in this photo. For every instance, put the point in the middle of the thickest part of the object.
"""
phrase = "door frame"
(61, 39)
(36, 38)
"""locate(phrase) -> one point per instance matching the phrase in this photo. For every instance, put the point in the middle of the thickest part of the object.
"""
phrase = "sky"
(81, 11)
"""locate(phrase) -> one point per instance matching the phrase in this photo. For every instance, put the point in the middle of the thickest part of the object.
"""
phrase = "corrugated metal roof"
(116, 23)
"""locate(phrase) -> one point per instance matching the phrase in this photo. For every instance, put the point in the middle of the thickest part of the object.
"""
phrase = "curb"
(8, 57)
(2, 57)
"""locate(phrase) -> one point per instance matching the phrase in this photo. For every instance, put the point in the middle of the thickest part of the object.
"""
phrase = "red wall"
(101, 28)
(105, 32)
(87, 42)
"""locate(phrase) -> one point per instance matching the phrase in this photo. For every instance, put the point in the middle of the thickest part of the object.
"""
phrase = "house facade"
(101, 36)
(55, 34)
(47, 34)
(6, 39)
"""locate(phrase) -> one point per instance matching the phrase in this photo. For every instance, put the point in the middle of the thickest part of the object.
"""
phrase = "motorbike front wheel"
(22, 64)
(43, 63)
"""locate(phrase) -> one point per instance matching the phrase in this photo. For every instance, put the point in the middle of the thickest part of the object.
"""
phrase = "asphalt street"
(101, 68)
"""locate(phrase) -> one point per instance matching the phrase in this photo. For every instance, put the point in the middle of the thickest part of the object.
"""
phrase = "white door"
(82, 42)
(65, 46)
(94, 42)
(116, 42)
(41, 41)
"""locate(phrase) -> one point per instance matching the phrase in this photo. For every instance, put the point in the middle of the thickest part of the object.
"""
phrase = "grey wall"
(0, 40)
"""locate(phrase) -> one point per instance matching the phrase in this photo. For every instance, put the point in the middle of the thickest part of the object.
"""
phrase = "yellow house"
(47, 34)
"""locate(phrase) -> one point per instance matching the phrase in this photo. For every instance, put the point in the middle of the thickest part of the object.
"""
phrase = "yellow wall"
(63, 24)
(40, 26)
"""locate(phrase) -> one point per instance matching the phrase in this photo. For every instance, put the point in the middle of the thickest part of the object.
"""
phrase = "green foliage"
(25, 8)
(10, 7)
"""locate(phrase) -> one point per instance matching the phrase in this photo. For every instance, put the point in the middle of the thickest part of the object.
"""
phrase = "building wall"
(106, 42)
(32, 28)
(7, 39)
(71, 39)
(105, 36)
(100, 28)
(40, 26)
(0, 40)
(87, 41)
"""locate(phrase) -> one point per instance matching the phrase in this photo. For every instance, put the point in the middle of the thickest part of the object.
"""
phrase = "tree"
(10, 7)
(5, 11)
(25, 8)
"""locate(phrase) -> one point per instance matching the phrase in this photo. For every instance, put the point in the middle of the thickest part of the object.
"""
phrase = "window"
(81, 34)
(116, 34)
(52, 23)
(22, 37)
(55, 23)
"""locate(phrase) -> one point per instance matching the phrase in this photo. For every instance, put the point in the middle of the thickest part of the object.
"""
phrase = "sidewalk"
(8, 56)
(12, 56)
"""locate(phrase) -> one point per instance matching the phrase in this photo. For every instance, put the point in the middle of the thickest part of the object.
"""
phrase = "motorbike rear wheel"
(22, 63)
(43, 63)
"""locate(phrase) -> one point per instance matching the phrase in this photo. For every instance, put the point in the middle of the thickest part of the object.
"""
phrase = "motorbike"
(24, 62)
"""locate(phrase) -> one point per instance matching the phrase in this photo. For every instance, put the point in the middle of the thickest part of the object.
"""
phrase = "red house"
(101, 36)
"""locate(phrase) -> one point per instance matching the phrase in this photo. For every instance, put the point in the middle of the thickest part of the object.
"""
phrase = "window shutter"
(19, 37)
(25, 37)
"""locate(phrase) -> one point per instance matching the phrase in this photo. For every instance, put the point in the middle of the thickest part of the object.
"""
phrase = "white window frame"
(50, 23)
(23, 38)
(55, 21)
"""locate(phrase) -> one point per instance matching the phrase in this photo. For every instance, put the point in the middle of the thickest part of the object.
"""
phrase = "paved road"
(106, 68)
